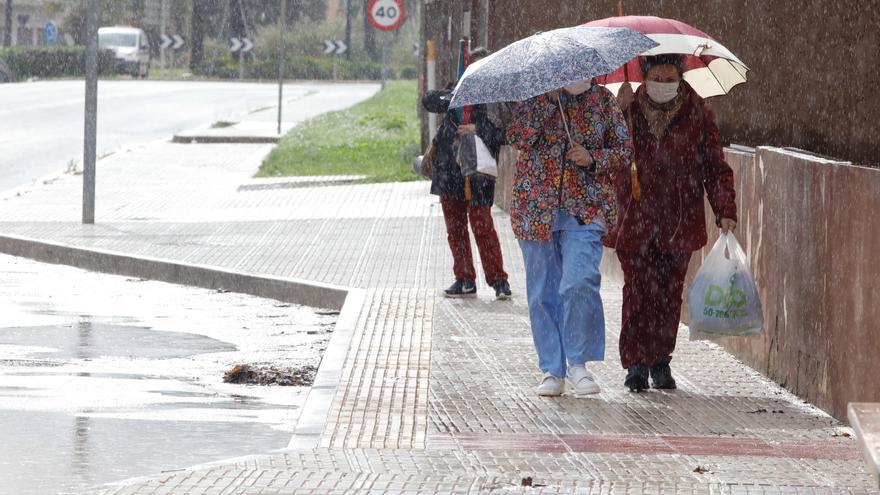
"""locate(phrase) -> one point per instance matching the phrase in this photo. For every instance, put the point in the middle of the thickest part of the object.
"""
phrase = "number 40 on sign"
(386, 15)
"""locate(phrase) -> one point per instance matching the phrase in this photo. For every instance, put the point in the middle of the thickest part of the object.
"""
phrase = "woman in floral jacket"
(563, 203)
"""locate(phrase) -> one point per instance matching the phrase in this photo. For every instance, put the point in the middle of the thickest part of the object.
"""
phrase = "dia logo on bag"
(725, 304)
(723, 298)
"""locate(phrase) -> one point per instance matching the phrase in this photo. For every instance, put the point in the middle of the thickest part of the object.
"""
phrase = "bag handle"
(740, 253)
(717, 250)
(733, 247)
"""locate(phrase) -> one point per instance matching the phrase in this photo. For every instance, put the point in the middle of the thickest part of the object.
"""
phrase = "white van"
(131, 46)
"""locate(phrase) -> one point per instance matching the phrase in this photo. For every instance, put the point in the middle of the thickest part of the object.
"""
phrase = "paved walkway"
(436, 395)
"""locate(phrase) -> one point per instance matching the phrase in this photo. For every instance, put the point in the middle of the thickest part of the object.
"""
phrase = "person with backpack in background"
(474, 202)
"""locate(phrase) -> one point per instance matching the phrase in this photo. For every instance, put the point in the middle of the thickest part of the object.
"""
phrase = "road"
(41, 123)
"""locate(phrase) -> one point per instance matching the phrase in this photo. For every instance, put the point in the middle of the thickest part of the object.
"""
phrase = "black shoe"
(461, 288)
(661, 377)
(502, 289)
(637, 377)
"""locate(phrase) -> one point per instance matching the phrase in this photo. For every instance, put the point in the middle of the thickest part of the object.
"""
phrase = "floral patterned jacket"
(545, 182)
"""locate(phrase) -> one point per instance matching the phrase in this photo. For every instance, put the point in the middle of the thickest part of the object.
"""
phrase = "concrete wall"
(811, 230)
(812, 82)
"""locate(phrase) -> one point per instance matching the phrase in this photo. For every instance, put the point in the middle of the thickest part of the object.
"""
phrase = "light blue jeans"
(562, 287)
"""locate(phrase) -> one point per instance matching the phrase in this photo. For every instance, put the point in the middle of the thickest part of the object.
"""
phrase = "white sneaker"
(551, 386)
(580, 382)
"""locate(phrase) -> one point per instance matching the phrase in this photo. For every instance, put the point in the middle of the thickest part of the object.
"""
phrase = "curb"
(316, 409)
(262, 184)
(205, 139)
(295, 291)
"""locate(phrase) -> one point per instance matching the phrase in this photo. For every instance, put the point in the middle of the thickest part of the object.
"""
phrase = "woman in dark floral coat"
(680, 161)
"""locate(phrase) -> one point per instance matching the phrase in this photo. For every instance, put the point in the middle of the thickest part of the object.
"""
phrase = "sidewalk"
(434, 395)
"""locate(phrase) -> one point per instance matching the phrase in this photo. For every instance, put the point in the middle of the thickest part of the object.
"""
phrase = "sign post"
(281, 26)
(431, 75)
(91, 112)
(242, 46)
(335, 48)
(166, 41)
(174, 43)
(385, 15)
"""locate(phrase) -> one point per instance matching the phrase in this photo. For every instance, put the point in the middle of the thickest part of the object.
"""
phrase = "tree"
(7, 33)
(130, 12)
(369, 34)
(202, 12)
(265, 12)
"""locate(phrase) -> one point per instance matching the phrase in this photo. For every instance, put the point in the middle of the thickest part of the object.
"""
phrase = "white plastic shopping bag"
(474, 157)
(485, 163)
(723, 299)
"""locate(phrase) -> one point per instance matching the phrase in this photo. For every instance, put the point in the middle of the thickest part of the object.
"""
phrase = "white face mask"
(577, 88)
(661, 92)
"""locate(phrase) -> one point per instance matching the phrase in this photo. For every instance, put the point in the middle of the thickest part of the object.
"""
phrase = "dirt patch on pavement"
(271, 375)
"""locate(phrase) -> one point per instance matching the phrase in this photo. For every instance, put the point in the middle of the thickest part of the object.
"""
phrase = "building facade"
(27, 20)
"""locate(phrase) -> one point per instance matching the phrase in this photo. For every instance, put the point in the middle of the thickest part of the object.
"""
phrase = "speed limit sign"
(386, 15)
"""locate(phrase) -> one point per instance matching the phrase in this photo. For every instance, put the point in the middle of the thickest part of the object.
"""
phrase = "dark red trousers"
(456, 214)
(653, 283)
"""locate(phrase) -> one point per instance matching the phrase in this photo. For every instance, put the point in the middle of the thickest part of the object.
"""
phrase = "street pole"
(348, 28)
(243, 35)
(164, 19)
(241, 65)
(281, 24)
(91, 112)
(431, 76)
(7, 30)
(384, 51)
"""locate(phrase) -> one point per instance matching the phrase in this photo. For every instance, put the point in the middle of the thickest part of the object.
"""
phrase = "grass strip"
(378, 138)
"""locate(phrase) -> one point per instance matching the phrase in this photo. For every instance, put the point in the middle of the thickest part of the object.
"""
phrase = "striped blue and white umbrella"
(547, 61)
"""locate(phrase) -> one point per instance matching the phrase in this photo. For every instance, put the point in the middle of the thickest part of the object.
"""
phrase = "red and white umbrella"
(709, 67)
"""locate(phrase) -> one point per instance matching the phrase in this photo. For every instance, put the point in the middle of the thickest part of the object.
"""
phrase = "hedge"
(299, 67)
(23, 62)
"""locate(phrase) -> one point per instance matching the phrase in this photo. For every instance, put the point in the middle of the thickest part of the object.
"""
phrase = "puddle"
(57, 452)
(72, 421)
(87, 340)
(29, 363)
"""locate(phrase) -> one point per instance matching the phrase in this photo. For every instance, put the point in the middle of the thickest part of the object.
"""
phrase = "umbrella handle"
(564, 121)
(633, 170)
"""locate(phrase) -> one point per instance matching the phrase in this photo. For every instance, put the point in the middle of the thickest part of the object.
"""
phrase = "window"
(110, 40)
